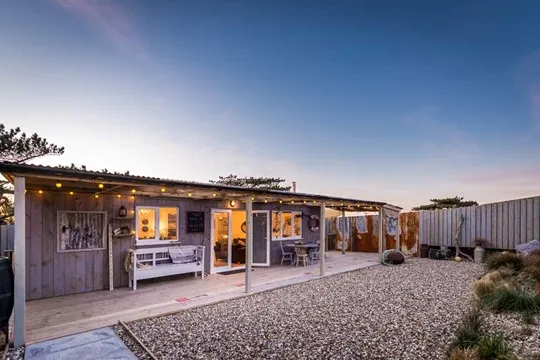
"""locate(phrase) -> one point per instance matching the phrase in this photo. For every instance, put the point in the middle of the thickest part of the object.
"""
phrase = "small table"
(308, 246)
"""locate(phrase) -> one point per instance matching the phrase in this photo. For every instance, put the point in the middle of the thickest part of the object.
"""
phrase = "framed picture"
(81, 230)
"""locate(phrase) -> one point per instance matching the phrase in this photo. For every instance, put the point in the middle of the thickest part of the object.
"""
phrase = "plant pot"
(479, 254)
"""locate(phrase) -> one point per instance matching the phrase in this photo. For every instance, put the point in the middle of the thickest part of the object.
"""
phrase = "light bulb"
(58, 184)
(133, 191)
(101, 186)
(40, 191)
(71, 193)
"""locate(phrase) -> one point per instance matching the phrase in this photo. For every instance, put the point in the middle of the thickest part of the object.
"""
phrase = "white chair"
(315, 254)
(301, 255)
(286, 255)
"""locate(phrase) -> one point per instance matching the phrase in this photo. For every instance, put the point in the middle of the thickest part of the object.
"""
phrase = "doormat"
(234, 272)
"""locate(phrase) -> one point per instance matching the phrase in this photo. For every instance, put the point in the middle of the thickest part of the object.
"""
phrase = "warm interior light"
(162, 189)
(40, 191)
(71, 193)
(101, 186)
(133, 191)
(58, 184)
(232, 203)
(96, 196)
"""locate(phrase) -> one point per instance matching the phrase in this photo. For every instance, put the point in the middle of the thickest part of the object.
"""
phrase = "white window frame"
(156, 241)
(293, 237)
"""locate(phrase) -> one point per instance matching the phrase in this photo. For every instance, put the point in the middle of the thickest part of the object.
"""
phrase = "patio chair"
(301, 255)
(315, 254)
(286, 255)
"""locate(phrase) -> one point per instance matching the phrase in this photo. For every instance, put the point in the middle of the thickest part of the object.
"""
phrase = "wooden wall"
(7, 238)
(51, 273)
(504, 225)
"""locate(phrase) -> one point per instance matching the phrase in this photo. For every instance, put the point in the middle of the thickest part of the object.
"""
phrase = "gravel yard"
(408, 311)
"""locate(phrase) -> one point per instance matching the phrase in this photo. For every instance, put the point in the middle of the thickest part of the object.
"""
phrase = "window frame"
(156, 241)
(292, 237)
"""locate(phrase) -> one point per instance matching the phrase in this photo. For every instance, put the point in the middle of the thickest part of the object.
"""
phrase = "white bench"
(156, 262)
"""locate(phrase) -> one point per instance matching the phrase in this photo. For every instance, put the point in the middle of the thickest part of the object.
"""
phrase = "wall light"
(101, 186)
(232, 203)
(58, 184)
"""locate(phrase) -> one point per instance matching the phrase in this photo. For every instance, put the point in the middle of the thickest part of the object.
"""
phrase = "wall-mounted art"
(82, 230)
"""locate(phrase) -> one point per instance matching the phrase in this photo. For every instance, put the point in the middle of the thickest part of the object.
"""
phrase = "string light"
(118, 196)
(162, 189)
(71, 193)
(266, 201)
(133, 198)
(332, 204)
(305, 201)
(96, 196)
(58, 184)
(189, 194)
(253, 198)
(101, 186)
(214, 194)
(133, 191)
(314, 202)
(341, 204)
(281, 201)
(40, 191)
(292, 202)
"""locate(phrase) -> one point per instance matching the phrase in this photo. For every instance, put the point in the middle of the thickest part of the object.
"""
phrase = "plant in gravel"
(528, 317)
(532, 268)
(505, 299)
(494, 346)
(468, 333)
(505, 259)
(464, 354)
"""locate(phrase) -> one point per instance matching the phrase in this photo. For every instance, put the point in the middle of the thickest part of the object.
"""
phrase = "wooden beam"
(249, 243)
(19, 323)
(322, 248)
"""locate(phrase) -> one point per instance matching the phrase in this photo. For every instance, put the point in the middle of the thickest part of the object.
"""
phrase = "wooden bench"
(156, 262)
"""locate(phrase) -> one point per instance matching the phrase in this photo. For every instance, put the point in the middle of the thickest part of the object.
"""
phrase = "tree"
(447, 203)
(16, 147)
(260, 183)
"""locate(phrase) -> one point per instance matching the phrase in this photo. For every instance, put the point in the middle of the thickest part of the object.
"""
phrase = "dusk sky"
(397, 101)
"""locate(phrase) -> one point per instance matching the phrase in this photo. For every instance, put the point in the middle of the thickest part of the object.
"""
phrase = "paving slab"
(96, 344)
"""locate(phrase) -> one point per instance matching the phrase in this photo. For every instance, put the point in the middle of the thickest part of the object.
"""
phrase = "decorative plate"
(145, 222)
(243, 227)
(145, 228)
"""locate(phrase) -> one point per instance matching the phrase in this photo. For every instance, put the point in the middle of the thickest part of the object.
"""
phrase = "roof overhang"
(45, 178)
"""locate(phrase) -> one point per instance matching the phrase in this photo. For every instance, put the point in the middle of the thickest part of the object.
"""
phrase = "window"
(157, 224)
(286, 225)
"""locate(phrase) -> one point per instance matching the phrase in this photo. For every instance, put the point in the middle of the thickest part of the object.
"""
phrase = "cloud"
(110, 19)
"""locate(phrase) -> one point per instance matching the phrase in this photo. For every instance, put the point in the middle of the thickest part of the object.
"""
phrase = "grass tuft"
(483, 288)
(468, 333)
(464, 354)
(494, 346)
(528, 317)
(505, 259)
(505, 299)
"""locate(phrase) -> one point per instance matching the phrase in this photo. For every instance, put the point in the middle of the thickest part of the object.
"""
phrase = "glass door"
(261, 238)
(221, 241)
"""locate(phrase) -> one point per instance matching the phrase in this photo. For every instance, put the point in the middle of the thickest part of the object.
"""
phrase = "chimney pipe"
(294, 186)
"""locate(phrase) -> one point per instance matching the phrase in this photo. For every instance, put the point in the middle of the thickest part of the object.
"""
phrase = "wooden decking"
(60, 316)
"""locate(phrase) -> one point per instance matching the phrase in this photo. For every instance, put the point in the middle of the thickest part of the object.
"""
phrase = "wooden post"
(249, 242)
(322, 229)
(343, 232)
(381, 225)
(19, 326)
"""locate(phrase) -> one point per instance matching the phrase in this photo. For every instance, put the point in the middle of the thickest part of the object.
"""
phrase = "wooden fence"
(503, 225)
(7, 238)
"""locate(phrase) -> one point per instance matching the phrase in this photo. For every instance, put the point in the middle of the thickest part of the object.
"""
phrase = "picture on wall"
(392, 225)
(82, 230)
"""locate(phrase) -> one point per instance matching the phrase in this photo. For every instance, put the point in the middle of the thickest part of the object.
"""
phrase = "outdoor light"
(71, 193)
(162, 189)
(305, 201)
(331, 204)
(214, 194)
(96, 196)
(189, 194)
(118, 196)
(133, 198)
(58, 184)
(265, 201)
(292, 202)
(341, 204)
(40, 191)
(101, 186)
(314, 202)
(232, 203)
(133, 191)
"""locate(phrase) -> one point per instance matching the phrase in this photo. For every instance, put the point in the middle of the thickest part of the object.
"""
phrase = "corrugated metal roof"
(15, 169)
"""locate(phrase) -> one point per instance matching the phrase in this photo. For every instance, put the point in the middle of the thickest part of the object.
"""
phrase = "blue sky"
(383, 100)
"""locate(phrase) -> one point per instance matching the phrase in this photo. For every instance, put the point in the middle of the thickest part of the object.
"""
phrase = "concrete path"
(96, 344)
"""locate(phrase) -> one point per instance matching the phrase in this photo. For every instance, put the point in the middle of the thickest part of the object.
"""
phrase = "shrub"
(464, 354)
(505, 299)
(483, 288)
(468, 333)
(508, 259)
(494, 346)
(532, 266)
(528, 317)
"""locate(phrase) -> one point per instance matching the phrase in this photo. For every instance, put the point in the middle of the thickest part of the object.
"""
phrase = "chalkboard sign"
(195, 222)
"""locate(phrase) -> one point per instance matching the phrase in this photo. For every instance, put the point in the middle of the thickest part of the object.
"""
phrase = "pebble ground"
(408, 311)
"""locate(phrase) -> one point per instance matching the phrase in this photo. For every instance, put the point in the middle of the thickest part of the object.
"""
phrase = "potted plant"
(479, 251)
